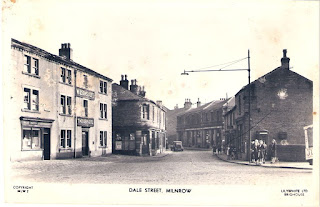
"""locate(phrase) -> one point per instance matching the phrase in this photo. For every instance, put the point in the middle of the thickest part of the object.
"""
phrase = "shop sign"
(85, 122)
(83, 93)
(309, 153)
(118, 145)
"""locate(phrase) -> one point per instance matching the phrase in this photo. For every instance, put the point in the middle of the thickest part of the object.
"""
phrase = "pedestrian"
(265, 147)
(261, 151)
(256, 151)
(219, 148)
(252, 151)
(214, 148)
(228, 152)
(273, 151)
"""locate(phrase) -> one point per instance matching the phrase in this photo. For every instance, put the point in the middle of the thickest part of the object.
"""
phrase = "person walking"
(256, 151)
(261, 151)
(273, 151)
(252, 152)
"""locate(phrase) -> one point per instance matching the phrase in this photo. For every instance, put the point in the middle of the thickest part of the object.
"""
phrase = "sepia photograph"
(163, 103)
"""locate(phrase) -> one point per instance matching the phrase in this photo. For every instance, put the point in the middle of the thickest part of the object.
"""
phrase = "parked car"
(177, 146)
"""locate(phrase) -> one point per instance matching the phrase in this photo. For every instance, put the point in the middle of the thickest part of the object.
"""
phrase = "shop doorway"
(85, 143)
(46, 144)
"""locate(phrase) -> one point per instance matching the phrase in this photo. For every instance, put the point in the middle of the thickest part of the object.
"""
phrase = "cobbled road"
(187, 167)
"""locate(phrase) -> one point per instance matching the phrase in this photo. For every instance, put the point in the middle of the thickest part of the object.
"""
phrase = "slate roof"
(32, 49)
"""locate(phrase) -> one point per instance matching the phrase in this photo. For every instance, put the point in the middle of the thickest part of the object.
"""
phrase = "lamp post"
(186, 72)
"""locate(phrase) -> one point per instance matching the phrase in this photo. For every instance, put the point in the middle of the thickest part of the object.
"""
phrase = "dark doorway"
(46, 144)
(85, 143)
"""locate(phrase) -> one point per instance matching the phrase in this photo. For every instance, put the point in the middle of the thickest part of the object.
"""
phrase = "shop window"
(103, 138)
(103, 87)
(118, 137)
(103, 111)
(132, 136)
(65, 139)
(31, 99)
(31, 139)
(85, 106)
(65, 102)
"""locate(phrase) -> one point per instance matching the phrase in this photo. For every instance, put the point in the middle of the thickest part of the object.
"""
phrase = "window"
(103, 111)
(239, 101)
(145, 111)
(35, 66)
(103, 87)
(31, 139)
(85, 81)
(31, 99)
(69, 76)
(103, 138)
(65, 76)
(65, 139)
(85, 106)
(27, 64)
(65, 105)
(31, 65)
(132, 136)
(153, 113)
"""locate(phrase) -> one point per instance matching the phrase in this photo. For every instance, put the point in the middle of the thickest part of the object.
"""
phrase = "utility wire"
(231, 63)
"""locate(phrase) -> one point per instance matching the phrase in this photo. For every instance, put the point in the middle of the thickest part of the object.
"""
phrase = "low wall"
(293, 153)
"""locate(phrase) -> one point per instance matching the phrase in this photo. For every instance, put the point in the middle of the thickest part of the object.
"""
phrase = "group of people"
(258, 151)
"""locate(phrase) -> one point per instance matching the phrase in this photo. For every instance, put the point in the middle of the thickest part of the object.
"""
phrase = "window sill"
(66, 84)
(30, 111)
(26, 150)
(102, 146)
(32, 75)
(103, 93)
(67, 115)
(103, 119)
(65, 149)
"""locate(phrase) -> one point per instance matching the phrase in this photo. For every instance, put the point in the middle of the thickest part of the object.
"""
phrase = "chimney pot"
(285, 60)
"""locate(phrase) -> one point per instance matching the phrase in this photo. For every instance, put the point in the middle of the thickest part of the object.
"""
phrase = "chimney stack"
(198, 103)
(187, 103)
(142, 92)
(66, 51)
(124, 82)
(159, 103)
(285, 60)
(134, 87)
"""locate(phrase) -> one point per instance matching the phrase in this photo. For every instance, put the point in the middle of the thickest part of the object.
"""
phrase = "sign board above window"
(83, 93)
(85, 122)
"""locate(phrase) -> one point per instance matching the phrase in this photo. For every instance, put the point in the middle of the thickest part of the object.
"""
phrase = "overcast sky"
(154, 42)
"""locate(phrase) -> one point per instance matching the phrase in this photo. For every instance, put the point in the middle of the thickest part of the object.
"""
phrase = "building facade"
(138, 124)
(280, 106)
(201, 127)
(55, 107)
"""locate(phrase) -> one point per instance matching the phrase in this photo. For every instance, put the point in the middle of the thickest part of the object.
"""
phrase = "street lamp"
(186, 72)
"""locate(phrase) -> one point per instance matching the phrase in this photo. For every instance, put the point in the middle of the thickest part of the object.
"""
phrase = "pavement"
(278, 164)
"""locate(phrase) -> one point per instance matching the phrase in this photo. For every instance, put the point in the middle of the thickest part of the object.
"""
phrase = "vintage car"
(177, 146)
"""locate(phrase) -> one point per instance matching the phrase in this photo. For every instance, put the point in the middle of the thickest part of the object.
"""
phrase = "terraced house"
(202, 126)
(56, 108)
(139, 124)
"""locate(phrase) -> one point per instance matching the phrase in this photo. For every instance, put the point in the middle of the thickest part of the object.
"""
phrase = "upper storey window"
(103, 87)
(65, 76)
(145, 111)
(31, 65)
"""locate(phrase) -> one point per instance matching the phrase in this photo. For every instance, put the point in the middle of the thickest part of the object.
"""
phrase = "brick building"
(55, 107)
(202, 126)
(138, 123)
(281, 105)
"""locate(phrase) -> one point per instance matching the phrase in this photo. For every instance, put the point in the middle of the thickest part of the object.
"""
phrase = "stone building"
(55, 107)
(138, 123)
(171, 121)
(281, 105)
(202, 126)
(230, 128)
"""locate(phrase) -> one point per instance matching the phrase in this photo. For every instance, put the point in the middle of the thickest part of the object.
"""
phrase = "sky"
(155, 41)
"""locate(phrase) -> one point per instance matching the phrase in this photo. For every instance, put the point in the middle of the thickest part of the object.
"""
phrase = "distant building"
(202, 126)
(138, 123)
(172, 120)
(55, 107)
(281, 105)
(230, 127)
